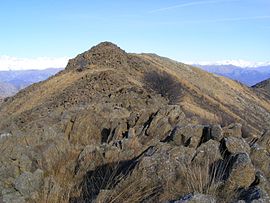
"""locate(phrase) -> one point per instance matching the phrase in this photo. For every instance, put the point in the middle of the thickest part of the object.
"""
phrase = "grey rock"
(189, 135)
(207, 153)
(237, 145)
(14, 197)
(29, 183)
(234, 129)
(216, 132)
(242, 173)
(196, 198)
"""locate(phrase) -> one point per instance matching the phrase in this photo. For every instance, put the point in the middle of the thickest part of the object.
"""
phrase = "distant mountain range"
(14, 80)
(246, 75)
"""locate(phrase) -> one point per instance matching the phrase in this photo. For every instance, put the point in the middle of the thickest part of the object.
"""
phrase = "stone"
(261, 159)
(237, 145)
(29, 183)
(242, 173)
(195, 198)
(159, 128)
(216, 132)
(207, 153)
(234, 129)
(201, 198)
(264, 141)
(189, 135)
(175, 114)
(13, 197)
(90, 157)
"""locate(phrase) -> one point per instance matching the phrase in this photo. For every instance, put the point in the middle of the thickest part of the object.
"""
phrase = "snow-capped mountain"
(238, 63)
(246, 72)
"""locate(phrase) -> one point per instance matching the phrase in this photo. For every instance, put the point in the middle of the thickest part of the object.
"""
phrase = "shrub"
(164, 84)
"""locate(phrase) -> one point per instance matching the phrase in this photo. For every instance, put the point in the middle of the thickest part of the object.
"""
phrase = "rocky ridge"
(96, 133)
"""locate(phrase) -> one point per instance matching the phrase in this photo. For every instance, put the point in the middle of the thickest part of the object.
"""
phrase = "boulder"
(261, 159)
(189, 136)
(12, 197)
(242, 174)
(234, 129)
(29, 184)
(236, 145)
(195, 198)
(207, 153)
(216, 132)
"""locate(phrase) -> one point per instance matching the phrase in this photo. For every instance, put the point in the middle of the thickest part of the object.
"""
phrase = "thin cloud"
(190, 4)
(218, 20)
(229, 19)
(14, 63)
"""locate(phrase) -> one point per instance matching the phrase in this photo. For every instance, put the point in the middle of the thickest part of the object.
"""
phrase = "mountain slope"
(263, 86)
(98, 130)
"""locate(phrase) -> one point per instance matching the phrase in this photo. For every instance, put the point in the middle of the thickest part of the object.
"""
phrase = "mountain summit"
(120, 127)
(104, 54)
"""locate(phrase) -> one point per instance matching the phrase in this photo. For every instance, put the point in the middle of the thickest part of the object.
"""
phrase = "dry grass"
(44, 90)
(207, 177)
(115, 184)
(134, 191)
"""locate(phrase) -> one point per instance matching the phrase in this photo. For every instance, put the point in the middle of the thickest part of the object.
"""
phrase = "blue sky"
(185, 30)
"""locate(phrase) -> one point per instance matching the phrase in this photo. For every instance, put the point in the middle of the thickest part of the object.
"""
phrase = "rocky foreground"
(109, 128)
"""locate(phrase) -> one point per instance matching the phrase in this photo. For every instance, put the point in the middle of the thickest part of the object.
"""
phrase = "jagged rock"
(29, 184)
(242, 173)
(264, 141)
(264, 184)
(207, 153)
(234, 129)
(175, 115)
(237, 145)
(261, 159)
(13, 197)
(195, 198)
(159, 127)
(90, 157)
(189, 135)
(216, 132)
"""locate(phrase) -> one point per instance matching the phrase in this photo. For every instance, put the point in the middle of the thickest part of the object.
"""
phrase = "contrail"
(194, 3)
